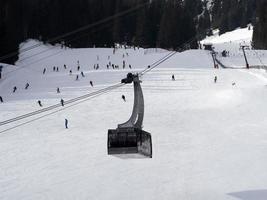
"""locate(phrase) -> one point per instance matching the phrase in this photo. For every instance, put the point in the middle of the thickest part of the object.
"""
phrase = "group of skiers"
(57, 69)
(15, 87)
(113, 66)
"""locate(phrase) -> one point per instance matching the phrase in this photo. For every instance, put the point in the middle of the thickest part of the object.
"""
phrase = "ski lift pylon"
(129, 138)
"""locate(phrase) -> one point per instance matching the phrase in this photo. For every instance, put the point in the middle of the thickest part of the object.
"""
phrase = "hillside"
(209, 139)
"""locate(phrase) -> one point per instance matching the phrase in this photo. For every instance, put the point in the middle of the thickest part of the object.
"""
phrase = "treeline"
(260, 29)
(160, 23)
(227, 15)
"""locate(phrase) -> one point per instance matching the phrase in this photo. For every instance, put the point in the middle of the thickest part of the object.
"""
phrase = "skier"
(66, 123)
(26, 86)
(14, 89)
(78, 68)
(130, 66)
(123, 64)
(54, 68)
(1, 100)
(70, 72)
(82, 74)
(123, 97)
(173, 78)
(91, 83)
(62, 102)
(40, 103)
(58, 91)
(77, 77)
(57, 69)
(44, 70)
(65, 67)
(215, 79)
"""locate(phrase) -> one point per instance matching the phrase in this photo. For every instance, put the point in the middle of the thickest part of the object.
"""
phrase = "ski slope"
(231, 42)
(209, 140)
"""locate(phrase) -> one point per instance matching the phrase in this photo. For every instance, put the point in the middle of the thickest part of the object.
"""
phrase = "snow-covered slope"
(231, 43)
(209, 139)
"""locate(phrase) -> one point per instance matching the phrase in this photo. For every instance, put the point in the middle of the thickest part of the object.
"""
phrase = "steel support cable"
(59, 104)
(64, 108)
(77, 30)
(155, 64)
(169, 55)
(77, 98)
(71, 100)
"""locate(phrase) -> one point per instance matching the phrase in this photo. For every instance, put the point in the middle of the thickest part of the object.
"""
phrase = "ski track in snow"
(209, 140)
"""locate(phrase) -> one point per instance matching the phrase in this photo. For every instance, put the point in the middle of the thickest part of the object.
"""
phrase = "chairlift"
(128, 137)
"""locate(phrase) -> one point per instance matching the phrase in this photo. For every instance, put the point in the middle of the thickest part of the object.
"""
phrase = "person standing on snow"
(82, 74)
(14, 89)
(1, 100)
(91, 83)
(173, 78)
(40, 103)
(62, 102)
(26, 86)
(215, 79)
(123, 97)
(58, 91)
(66, 123)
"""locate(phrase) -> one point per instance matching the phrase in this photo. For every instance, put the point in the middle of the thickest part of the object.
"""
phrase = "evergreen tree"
(260, 29)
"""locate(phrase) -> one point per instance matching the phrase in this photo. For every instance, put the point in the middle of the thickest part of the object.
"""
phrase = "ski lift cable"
(155, 64)
(59, 104)
(71, 100)
(48, 114)
(75, 99)
(168, 56)
(83, 28)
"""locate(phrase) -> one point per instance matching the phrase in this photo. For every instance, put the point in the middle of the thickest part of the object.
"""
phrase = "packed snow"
(231, 42)
(209, 139)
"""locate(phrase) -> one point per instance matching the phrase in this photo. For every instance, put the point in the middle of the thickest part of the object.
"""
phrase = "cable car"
(129, 138)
